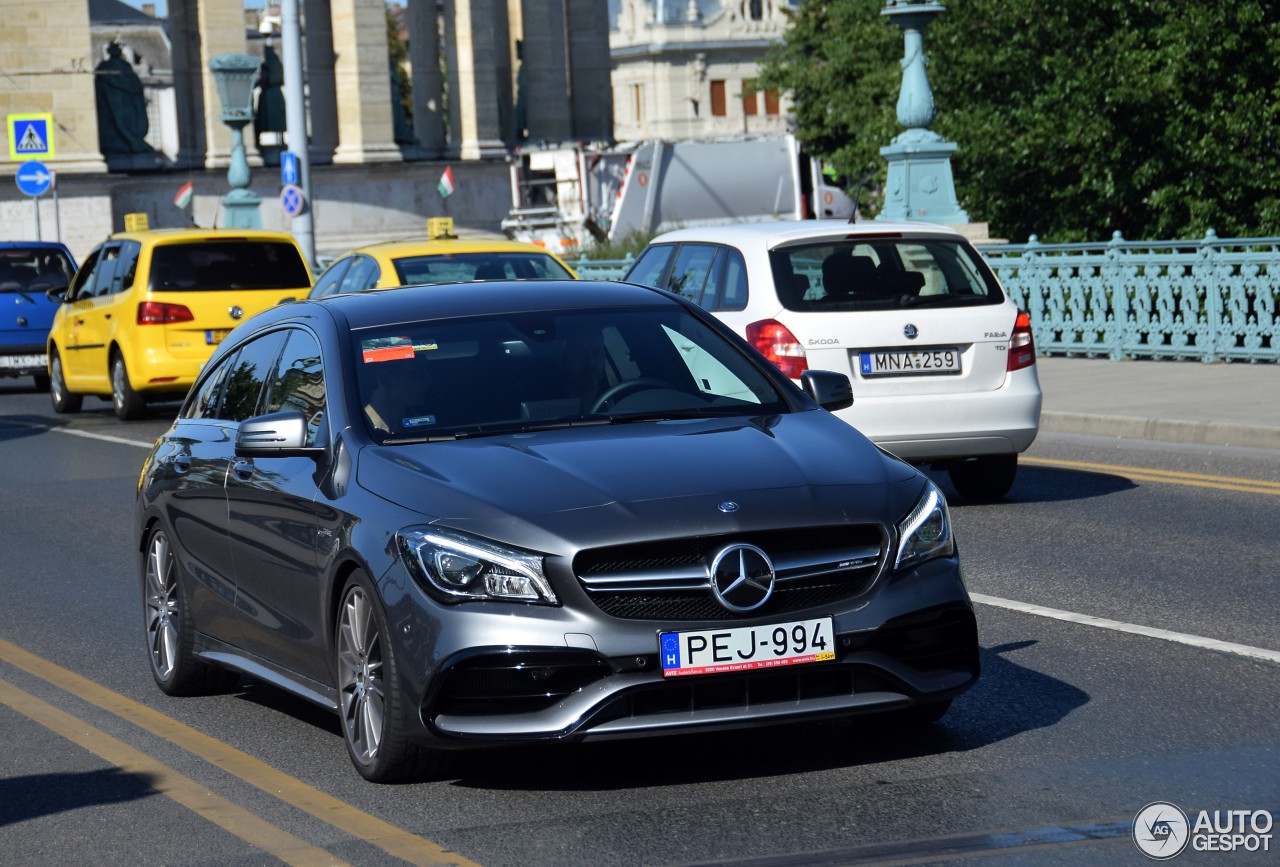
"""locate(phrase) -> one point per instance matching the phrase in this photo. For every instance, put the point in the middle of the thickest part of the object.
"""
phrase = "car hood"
(587, 486)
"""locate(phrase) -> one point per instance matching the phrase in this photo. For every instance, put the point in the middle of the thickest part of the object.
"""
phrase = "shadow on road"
(1040, 485)
(1008, 700)
(23, 798)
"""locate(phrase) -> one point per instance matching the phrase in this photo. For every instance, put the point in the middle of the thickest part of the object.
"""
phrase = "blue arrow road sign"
(288, 167)
(292, 200)
(33, 178)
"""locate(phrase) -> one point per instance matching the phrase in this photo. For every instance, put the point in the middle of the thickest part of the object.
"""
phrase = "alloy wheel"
(360, 675)
(162, 606)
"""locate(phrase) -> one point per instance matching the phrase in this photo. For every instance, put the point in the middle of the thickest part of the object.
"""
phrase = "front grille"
(669, 580)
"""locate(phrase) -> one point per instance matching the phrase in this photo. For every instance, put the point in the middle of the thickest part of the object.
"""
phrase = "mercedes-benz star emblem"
(742, 578)
(911, 332)
(728, 506)
(236, 312)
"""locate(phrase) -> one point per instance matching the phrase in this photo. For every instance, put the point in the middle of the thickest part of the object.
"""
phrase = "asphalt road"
(1077, 723)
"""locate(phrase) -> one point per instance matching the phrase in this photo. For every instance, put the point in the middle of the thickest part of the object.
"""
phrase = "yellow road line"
(1171, 477)
(228, 816)
(341, 815)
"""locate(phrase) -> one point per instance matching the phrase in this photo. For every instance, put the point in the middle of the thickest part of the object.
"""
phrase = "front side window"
(248, 375)
(882, 273)
(95, 276)
(478, 376)
(692, 268)
(331, 280)
(298, 384)
(652, 264)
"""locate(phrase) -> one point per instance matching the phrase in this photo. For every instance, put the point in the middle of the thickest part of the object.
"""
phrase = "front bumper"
(595, 678)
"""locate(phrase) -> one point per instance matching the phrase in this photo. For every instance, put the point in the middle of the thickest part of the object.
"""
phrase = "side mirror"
(831, 390)
(275, 435)
(55, 291)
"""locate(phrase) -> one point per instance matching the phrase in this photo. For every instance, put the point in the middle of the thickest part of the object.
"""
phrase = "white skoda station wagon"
(941, 359)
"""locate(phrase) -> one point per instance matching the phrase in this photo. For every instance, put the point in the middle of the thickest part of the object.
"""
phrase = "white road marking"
(1132, 628)
(98, 436)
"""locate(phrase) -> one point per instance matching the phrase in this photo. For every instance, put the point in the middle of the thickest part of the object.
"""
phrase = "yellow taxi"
(441, 258)
(147, 308)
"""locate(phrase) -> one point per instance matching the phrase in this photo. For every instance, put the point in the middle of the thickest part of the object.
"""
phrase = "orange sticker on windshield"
(388, 353)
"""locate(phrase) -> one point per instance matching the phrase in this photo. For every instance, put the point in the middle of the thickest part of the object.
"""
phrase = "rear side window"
(649, 268)
(882, 273)
(231, 264)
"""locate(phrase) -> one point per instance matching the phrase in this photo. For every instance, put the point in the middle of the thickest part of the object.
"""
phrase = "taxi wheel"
(169, 629)
(369, 696)
(63, 400)
(128, 403)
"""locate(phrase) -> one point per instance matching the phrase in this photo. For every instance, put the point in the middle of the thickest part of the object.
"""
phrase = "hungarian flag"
(445, 186)
(183, 197)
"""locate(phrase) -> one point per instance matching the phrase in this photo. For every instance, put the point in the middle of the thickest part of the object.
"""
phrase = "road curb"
(1162, 430)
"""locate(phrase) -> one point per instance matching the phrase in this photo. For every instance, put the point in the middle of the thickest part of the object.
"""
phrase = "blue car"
(28, 269)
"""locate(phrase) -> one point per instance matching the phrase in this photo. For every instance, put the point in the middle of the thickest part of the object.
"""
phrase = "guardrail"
(1213, 299)
(601, 269)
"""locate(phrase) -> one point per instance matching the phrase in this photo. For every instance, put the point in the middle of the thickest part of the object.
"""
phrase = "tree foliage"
(1156, 118)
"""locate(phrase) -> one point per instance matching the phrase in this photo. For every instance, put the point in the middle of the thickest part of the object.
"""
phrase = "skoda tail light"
(1022, 347)
(776, 343)
(160, 313)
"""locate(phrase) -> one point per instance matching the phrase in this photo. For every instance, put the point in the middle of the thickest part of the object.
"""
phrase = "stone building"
(687, 69)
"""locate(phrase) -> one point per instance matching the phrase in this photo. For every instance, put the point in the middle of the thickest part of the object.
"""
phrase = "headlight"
(926, 531)
(455, 566)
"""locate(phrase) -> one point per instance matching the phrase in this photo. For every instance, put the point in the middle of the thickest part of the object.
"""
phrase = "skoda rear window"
(882, 274)
(220, 265)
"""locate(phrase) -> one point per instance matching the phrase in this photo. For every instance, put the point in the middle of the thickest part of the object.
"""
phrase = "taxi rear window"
(213, 266)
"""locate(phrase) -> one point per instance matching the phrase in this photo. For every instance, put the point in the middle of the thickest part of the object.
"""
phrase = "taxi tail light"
(1022, 346)
(776, 343)
(160, 313)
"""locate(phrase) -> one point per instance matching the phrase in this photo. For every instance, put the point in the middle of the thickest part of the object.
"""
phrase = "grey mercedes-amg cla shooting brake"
(478, 514)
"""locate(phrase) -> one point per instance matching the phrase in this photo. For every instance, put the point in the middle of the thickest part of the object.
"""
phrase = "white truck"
(563, 196)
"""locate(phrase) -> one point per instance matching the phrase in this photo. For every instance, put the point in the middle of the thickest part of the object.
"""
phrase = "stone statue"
(122, 107)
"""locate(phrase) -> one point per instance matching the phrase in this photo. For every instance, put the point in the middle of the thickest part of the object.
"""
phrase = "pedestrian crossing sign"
(30, 136)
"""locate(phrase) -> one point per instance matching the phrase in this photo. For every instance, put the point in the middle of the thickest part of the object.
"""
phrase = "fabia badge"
(742, 578)
(1161, 830)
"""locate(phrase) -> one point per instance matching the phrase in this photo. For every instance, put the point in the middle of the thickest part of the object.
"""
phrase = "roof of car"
(156, 236)
(32, 245)
(445, 246)
(777, 233)
(449, 300)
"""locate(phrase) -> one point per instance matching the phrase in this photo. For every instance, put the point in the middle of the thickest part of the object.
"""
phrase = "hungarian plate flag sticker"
(445, 186)
(183, 197)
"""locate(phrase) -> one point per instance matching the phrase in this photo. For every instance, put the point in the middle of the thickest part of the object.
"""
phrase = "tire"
(370, 700)
(170, 632)
(986, 478)
(42, 381)
(128, 404)
(63, 401)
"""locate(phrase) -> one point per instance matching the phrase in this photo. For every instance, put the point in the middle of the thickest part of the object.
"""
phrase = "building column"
(322, 95)
(45, 52)
(428, 83)
(203, 30)
(480, 42)
(362, 78)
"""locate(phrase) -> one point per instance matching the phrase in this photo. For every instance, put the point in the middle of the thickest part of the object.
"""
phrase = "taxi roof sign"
(30, 136)
(440, 227)
(136, 223)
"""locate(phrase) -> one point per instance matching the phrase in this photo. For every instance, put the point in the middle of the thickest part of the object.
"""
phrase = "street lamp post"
(919, 186)
(234, 75)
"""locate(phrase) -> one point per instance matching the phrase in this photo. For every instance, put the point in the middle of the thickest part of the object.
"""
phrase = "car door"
(87, 324)
(272, 522)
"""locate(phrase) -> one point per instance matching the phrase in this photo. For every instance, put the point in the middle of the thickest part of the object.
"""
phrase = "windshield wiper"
(942, 300)
(17, 290)
(473, 433)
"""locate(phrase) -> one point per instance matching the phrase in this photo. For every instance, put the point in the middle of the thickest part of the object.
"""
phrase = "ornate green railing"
(1213, 299)
(600, 269)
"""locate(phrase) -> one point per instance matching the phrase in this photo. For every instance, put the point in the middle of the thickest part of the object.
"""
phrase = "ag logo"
(1161, 831)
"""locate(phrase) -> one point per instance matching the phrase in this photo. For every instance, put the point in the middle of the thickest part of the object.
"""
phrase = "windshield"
(488, 375)
(882, 273)
(230, 264)
(465, 267)
(21, 267)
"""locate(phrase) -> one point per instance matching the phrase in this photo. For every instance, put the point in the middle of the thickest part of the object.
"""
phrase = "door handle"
(243, 468)
(106, 316)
